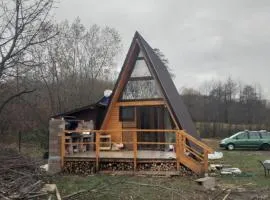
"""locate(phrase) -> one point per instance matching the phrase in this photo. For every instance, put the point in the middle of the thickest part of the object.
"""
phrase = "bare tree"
(79, 65)
(23, 25)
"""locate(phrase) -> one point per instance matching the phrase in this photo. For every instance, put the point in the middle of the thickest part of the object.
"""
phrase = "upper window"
(141, 89)
(127, 113)
(140, 69)
(141, 84)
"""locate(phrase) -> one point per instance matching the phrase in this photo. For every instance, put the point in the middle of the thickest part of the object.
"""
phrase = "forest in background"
(48, 68)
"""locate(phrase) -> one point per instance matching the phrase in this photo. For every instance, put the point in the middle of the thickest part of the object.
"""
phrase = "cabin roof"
(163, 76)
(103, 102)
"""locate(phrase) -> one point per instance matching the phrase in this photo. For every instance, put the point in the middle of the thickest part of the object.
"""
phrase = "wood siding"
(114, 124)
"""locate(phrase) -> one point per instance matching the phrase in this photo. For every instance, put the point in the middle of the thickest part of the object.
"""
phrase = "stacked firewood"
(79, 167)
(116, 166)
(161, 166)
(20, 177)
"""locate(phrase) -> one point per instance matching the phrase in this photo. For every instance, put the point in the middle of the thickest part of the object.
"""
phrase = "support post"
(178, 149)
(62, 151)
(97, 150)
(135, 150)
(205, 161)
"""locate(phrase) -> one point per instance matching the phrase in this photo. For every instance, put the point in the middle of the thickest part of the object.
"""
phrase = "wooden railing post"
(135, 150)
(178, 147)
(97, 150)
(205, 160)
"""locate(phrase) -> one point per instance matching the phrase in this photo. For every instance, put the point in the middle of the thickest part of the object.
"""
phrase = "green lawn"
(143, 187)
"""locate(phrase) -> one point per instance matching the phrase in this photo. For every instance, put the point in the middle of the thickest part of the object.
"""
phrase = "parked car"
(247, 139)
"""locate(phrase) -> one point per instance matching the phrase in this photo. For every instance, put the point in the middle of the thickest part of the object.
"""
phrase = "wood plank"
(141, 103)
(135, 153)
(97, 150)
(62, 146)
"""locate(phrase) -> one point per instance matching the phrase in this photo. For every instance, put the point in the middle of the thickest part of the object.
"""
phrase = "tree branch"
(13, 97)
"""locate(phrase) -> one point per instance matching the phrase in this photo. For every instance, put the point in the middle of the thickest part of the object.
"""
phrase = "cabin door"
(150, 117)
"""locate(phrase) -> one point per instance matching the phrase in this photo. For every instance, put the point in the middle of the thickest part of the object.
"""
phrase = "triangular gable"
(141, 84)
(140, 48)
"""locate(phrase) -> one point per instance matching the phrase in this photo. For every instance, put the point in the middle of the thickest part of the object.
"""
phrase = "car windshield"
(236, 134)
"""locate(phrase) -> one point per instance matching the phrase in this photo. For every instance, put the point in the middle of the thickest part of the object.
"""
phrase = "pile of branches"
(20, 176)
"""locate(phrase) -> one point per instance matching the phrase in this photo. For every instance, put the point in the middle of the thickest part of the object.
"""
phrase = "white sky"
(203, 40)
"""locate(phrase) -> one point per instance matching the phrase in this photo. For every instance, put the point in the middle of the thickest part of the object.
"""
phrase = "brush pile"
(20, 177)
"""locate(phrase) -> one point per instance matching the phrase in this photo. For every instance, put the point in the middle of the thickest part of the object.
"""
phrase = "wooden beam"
(140, 103)
(205, 161)
(97, 150)
(62, 150)
(135, 150)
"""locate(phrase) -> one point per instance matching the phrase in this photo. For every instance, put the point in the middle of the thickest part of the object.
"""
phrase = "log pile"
(116, 166)
(20, 177)
(160, 166)
(79, 167)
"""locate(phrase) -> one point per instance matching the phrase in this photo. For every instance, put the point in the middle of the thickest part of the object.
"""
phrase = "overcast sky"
(203, 40)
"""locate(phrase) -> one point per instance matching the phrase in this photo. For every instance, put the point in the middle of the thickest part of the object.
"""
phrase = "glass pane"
(141, 89)
(254, 135)
(140, 69)
(265, 134)
(242, 136)
(126, 113)
(140, 54)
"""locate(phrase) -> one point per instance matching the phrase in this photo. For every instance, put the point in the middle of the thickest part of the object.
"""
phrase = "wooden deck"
(144, 154)
(194, 157)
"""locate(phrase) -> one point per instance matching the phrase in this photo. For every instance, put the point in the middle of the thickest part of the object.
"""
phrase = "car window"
(242, 136)
(254, 135)
(265, 134)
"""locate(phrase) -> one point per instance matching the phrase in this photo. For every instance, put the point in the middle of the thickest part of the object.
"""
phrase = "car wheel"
(230, 147)
(265, 147)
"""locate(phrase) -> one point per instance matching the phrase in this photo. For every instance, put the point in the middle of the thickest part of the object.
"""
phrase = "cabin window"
(127, 113)
(140, 69)
(141, 89)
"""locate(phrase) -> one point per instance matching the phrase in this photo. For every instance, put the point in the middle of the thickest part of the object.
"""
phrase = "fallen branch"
(226, 196)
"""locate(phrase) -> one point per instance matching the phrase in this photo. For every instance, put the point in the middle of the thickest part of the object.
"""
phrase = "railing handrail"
(120, 130)
(196, 141)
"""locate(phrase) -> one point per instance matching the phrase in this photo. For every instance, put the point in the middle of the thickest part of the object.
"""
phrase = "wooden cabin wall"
(114, 124)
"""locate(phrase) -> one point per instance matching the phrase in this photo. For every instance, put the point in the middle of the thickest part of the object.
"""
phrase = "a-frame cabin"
(146, 120)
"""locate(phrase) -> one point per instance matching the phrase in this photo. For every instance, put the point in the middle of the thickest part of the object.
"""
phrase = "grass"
(135, 187)
(129, 187)
(247, 162)
(145, 187)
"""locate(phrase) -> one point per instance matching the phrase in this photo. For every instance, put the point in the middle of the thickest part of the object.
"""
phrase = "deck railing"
(189, 151)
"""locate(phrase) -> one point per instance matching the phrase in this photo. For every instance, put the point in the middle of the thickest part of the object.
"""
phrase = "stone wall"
(56, 127)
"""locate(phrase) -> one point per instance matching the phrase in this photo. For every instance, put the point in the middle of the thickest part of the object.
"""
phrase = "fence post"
(135, 150)
(97, 150)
